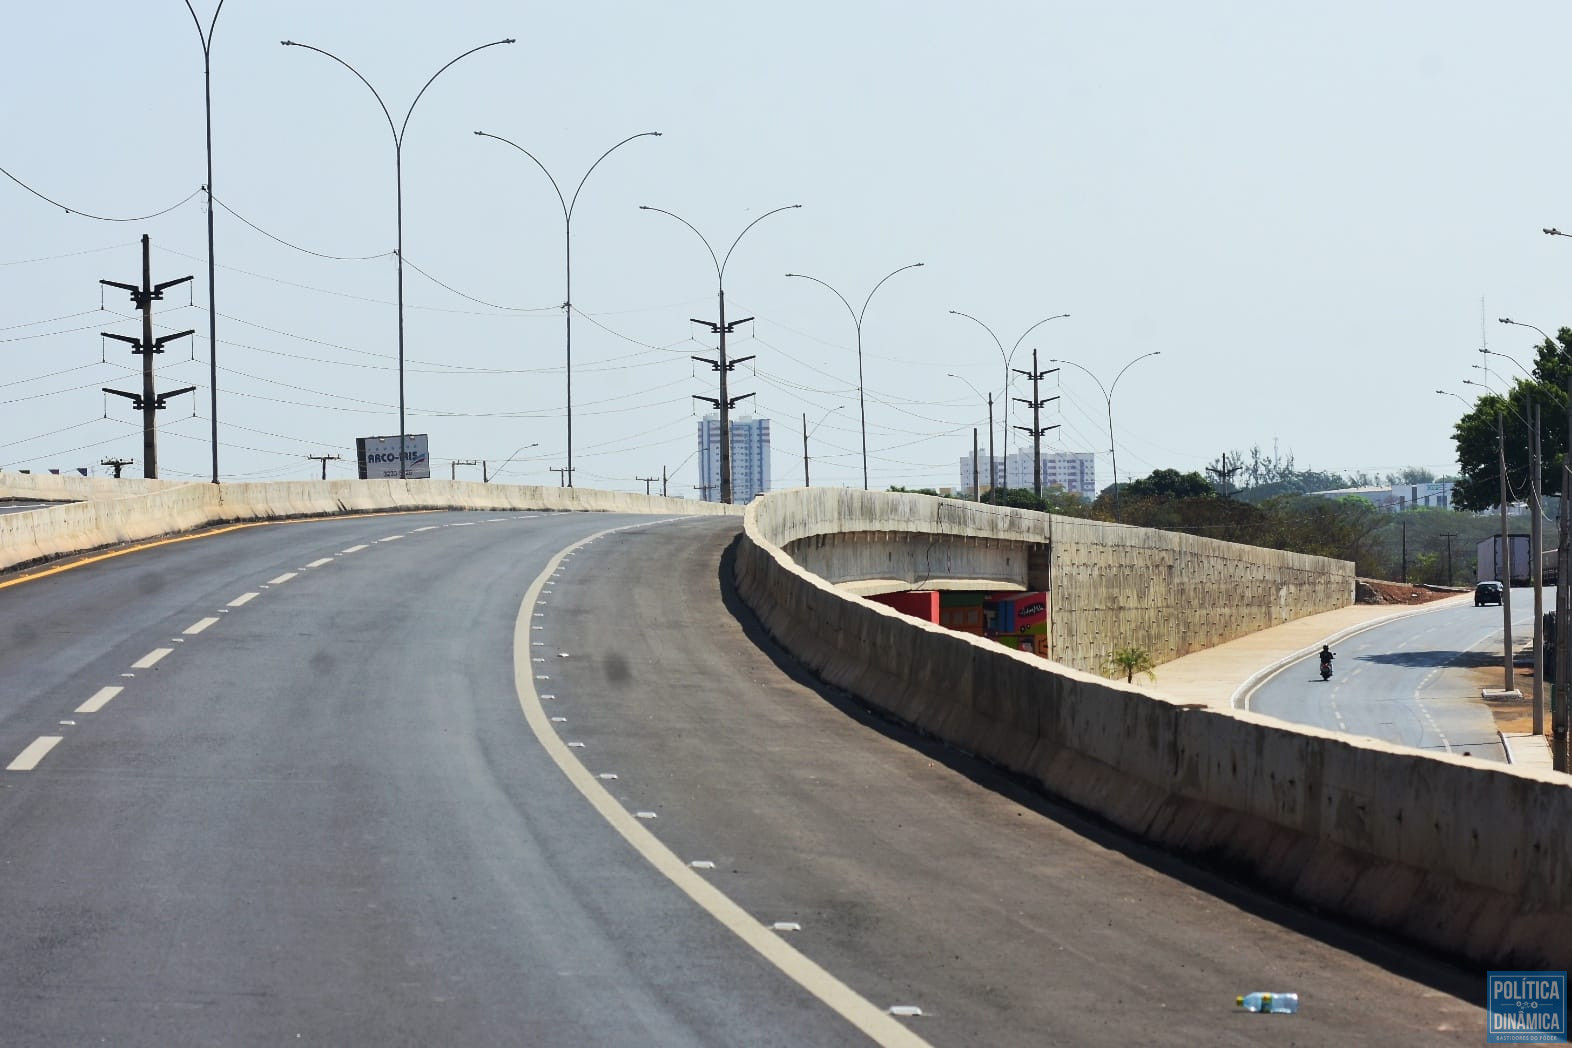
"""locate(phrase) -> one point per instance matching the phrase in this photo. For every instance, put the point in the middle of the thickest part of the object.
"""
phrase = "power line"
(100, 218)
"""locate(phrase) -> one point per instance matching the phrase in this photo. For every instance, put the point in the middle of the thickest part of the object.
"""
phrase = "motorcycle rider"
(1326, 657)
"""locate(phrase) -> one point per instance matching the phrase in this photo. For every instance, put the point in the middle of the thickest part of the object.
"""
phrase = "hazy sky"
(1302, 206)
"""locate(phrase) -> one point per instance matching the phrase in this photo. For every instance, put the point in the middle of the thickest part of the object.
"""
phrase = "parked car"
(1487, 593)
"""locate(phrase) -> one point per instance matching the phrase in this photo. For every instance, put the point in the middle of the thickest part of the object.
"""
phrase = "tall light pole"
(857, 322)
(1007, 358)
(806, 433)
(724, 402)
(567, 254)
(206, 37)
(398, 178)
(1108, 393)
(993, 467)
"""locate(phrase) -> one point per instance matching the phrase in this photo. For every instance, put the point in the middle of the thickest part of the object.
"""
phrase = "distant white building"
(750, 458)
(1398, 497)
(1075, 471)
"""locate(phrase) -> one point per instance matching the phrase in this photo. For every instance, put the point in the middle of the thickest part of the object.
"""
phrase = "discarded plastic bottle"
(1269, 1002)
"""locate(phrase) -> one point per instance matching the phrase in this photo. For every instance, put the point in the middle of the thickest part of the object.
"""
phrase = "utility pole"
(1506, 554)
(1225, 475)
(453, 468)
(663, 482)
(1449, 538)
(1558, 695)
(976, 487)
(724, 403)
(1036, 429)
(1403, 571)
(562, 474)
(1536, 537)
(805, 481)
(647, 482)
(324, 459)
(116, 464)
(148, 402)
(993, 465)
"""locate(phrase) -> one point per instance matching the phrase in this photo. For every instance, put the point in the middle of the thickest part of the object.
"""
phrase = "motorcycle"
(1326, 667)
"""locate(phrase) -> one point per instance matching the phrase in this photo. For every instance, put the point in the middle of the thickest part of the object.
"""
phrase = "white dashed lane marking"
(100, 699)
(282, 578)
(151, 658)
(355, 549)
(200, 625)
(28, 759)
(319, 562)
(391, 538)
(243, 599)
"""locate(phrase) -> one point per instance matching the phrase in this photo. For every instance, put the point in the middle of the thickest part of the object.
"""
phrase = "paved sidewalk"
(1216, 675)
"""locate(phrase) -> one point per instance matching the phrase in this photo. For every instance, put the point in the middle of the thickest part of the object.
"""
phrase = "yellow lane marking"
(282, 578)
(855, 1009)
(243, 599)
(149, 660)
(199, 625)
(100, 699)
(28, 759)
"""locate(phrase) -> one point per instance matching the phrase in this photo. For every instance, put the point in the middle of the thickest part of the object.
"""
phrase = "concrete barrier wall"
(107, 515)
(1465, 856)
(1110, 586)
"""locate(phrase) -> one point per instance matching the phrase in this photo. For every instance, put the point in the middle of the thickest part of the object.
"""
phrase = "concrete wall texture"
(1465, 856)
(1110, 586)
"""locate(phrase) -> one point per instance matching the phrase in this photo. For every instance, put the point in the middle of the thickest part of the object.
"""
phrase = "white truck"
(1492, 560)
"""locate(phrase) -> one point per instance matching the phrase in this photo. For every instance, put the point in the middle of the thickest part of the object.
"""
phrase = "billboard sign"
(379, 457)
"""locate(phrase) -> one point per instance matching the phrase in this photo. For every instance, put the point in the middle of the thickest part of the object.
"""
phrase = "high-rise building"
(1075, 471)
(750, 458)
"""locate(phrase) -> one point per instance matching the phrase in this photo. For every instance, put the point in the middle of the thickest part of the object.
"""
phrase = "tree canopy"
(1478, 486)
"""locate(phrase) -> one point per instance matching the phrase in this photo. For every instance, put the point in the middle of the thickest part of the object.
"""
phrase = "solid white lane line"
(867, 1017)
(100, 699)
(319, 562)
(282, 578)
(28, 759)
(151, 658)
(244, 598)
(200, 625)
(356, 549)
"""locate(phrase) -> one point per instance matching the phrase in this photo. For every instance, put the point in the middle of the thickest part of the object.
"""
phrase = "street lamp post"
(1007, 357)
(857, 322)
(567, 254)
(398, 178)
(1113, 456)
(993, 466)
(724, 402)
(206, 37)
(806, 433)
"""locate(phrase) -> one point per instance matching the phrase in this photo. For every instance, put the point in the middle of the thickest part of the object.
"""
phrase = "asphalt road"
(325, 817)
(1413, 681)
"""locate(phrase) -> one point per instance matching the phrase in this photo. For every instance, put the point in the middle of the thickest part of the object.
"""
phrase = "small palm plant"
(1130, 661)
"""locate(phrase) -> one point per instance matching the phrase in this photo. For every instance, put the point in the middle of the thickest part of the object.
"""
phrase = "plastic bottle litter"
(1269, 1002)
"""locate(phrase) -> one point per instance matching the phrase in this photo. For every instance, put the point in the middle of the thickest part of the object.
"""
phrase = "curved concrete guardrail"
(108, 512)
(1465, 856)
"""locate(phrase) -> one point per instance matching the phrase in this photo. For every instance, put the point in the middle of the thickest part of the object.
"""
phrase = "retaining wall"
(107, 514)
(1109, 585)
(1465, 856)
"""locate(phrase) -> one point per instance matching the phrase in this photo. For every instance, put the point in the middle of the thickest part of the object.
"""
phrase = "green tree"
(1130, 661)
(1169, 484)
(1475, 434)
